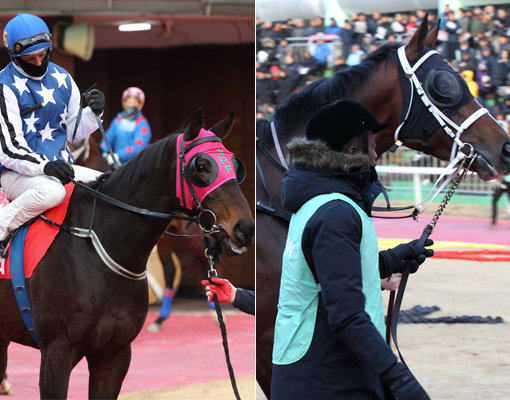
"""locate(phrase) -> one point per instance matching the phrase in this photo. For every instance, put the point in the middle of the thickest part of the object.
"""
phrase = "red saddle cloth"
(39, 237)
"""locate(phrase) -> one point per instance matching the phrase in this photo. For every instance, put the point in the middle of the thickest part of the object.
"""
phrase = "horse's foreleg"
(107, 372)
(56, 365)
(5, 387)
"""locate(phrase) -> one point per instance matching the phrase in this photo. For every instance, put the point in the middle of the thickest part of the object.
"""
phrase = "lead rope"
(394, 310)
(212, 273)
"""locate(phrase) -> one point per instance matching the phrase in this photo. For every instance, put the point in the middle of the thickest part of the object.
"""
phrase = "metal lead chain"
(211, 272)
(451, 191)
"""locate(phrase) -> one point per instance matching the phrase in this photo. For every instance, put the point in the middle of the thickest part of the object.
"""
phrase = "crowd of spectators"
(475, 41)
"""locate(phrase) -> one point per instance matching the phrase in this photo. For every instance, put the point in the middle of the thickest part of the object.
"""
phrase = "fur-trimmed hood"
(316, 169)
(316, 154)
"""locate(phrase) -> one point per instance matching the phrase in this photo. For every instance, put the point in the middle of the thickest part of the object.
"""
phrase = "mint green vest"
(299, 294)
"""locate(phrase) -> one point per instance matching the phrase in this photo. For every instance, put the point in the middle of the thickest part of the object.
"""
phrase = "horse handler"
(329, 334)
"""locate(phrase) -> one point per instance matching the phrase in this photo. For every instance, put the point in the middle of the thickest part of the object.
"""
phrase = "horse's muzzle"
(244, 231)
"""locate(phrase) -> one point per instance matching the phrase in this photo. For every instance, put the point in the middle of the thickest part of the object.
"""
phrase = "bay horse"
(83, 309)
(88, 153)
(428, 106)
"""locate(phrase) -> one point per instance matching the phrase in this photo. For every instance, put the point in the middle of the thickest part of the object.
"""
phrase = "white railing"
(416, 173)
(410, 166)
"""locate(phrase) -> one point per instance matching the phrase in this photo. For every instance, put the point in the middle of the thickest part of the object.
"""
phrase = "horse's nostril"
(243, 231)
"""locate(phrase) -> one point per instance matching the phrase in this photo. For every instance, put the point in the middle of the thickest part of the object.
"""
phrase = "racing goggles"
(22, 44)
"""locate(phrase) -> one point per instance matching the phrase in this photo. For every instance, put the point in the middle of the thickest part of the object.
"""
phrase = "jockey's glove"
(95, 100)
(402, 384)
(60, 170)
(404, 257)
(222, 288)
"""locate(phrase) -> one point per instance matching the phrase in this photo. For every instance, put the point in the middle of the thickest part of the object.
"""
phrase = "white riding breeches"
(32, 195)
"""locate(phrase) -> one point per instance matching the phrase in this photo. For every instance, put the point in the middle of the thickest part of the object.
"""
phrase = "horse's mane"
(297, 109)
(141, 166)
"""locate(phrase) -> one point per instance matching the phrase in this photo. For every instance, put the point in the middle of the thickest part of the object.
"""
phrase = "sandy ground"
(459, 361)
(212, 390)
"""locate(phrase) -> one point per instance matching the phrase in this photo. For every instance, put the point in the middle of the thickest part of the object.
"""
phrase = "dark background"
(177, 81)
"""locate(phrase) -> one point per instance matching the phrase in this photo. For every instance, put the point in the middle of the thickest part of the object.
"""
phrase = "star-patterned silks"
(44, 128)
(46, 132)
(31, 122)
(20, 84)
(60, 77)
(63, 116)
(47, 95)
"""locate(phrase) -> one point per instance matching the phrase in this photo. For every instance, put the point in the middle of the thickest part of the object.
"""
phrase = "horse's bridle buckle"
(468, 150)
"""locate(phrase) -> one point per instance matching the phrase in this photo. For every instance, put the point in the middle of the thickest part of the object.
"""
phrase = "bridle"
(460, 150)
(203, 217)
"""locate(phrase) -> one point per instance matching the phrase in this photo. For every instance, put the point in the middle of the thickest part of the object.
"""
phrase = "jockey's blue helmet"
(26, 34)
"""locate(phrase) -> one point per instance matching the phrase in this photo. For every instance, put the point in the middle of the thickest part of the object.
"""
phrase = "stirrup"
(4, 244)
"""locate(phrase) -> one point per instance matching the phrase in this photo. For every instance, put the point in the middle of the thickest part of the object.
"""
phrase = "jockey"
(130, 131)
(39, 104)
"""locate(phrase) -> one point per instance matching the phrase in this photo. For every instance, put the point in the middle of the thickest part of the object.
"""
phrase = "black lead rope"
(212, 253)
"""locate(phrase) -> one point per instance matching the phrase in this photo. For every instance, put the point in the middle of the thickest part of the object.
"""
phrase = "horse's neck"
(128, 237)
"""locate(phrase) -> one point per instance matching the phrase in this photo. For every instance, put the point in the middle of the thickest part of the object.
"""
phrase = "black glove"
(402, 384)
(60, 170)
(94, 99)
(405, 256)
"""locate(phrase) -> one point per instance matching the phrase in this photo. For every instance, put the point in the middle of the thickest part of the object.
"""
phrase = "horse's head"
(437, 101)
(208, 179)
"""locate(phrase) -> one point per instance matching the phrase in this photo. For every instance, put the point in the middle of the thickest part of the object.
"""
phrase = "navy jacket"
(347, 353)
(245, 301)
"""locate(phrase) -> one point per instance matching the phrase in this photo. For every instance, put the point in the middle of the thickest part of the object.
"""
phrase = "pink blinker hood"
(221, 156)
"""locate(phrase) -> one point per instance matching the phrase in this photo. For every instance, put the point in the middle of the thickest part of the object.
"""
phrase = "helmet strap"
(31, 69)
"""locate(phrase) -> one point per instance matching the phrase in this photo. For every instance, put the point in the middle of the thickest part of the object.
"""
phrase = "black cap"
(337, 122)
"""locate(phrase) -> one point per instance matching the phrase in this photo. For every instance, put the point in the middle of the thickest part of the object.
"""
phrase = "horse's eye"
(201, 167)
(202, 170)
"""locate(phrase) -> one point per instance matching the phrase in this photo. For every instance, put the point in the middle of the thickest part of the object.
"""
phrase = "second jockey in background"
(130, 131)
(39, 104)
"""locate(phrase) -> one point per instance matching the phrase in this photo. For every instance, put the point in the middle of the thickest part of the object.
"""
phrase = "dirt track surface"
(460, 361)
(200, 391)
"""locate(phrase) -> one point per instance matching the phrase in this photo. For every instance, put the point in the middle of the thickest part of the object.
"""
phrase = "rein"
(90, 234)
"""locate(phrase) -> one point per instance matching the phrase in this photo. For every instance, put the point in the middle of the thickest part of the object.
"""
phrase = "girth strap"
(18, 280)
(110, 262)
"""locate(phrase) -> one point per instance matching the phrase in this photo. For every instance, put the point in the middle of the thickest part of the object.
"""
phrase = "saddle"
(28, 245)
(39, 235)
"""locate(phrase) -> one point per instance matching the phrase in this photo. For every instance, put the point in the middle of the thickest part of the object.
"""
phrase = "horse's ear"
(430, 40)
(222, 128)
(197, 122)
(414, 48)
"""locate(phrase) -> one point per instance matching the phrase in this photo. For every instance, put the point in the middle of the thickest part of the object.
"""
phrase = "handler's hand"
(222, 288)
(392, 283)
(402, 384)
(409, 256)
